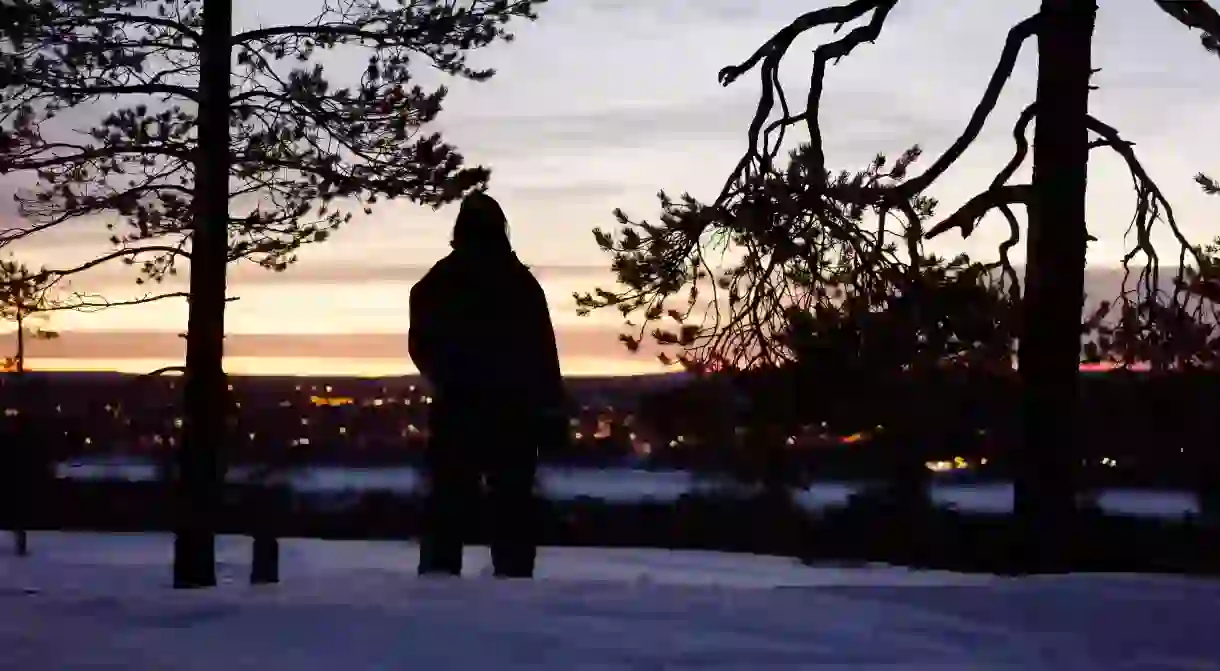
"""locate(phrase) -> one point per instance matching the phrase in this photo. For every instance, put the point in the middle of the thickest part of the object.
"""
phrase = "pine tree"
(801, 241)
(25, 301)
(216, 146)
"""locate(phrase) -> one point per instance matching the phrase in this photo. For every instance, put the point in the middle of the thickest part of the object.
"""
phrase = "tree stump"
(265, 563)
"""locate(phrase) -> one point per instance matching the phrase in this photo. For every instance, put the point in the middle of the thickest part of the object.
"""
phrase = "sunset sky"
(603, 102)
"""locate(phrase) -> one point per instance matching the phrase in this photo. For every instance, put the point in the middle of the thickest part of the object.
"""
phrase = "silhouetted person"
(481, 334)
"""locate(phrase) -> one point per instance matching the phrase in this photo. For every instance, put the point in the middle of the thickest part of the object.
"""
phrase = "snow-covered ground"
(103, 601)
(626, 485)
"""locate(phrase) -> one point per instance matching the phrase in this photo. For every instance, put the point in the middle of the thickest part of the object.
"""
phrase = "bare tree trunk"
(21, 536)
(1054, 286)
(199, 468)
(20, 360)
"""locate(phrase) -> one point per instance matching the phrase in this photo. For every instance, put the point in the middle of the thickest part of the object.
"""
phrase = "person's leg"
(452, 490)
(514, 510)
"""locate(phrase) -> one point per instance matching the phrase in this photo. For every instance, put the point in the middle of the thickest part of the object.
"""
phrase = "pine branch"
(89, 303)
(84, 153)
(144, 19)
(81, 92)
(119, 254)
(305, 155)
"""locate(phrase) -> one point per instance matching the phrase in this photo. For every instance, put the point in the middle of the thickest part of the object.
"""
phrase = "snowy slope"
(93, 601)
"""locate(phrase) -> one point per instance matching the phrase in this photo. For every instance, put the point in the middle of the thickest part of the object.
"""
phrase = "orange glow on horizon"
(333, 366)
(354, 367)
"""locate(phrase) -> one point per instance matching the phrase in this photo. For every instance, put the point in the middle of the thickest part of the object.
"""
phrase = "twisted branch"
(773, 51)
(1195, 14)
(89, 303)
(1153, 321)
(978, 119)
(966, 217)
(181, 370)
(800, 230)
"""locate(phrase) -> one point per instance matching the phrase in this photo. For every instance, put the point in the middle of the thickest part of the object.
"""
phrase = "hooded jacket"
(481, 333)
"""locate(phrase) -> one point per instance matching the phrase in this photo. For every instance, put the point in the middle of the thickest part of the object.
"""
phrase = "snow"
(615, 485)
(623, 485)
(998, 498)
(995, 498)
(1149, 503)
(103, 601)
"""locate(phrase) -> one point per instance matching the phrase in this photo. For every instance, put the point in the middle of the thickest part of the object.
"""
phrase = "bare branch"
(82, 153)
(773, 51)
(968, 216)
(89, 303)
(836, 50)
(991, 95)
(181, 370)
(1014, 238)
(837, 15)
(57, 274)
(145, 19)
(1195, 14)
(1124, 149)
(77, 92)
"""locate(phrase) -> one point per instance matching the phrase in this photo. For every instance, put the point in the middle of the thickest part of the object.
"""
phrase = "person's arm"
(553, 403)
(421, 333)
(550, 376)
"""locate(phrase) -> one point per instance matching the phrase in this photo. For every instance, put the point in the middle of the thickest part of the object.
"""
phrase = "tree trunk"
(205, 397)
(21, 536)
(1054, 287)
(264, 499)
(19, 362)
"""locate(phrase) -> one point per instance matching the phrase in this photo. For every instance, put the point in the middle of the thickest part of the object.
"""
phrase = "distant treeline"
(1148, 428)
(1154, 428)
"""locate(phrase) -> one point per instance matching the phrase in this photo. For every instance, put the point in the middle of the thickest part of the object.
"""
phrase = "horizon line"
(408, 374)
